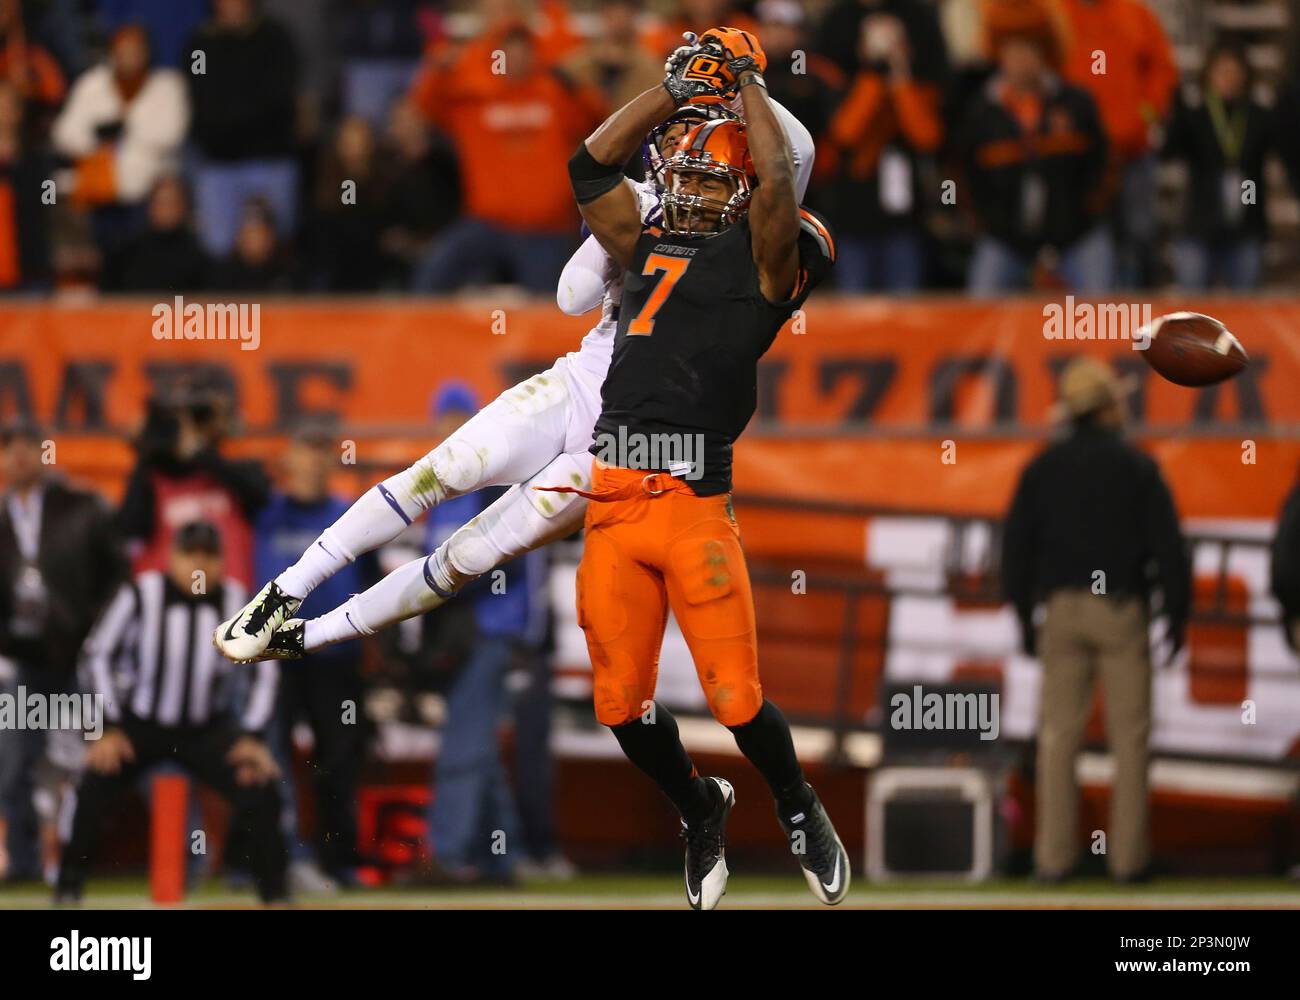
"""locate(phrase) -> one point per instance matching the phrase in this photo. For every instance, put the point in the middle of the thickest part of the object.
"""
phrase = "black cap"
(198, 536)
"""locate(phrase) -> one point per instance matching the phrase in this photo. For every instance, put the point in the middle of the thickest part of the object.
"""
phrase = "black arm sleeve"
(590, 178)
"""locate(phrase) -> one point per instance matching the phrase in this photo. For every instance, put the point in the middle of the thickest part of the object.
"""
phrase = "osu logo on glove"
(706, 68)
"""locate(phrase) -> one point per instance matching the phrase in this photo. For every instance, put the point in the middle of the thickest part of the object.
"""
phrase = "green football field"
(758, 891)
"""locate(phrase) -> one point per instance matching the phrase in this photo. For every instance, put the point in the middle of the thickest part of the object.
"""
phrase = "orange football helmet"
(717, 147)
(659, 144)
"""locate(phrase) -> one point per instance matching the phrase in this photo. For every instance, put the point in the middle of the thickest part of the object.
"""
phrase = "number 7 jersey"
(692, 327)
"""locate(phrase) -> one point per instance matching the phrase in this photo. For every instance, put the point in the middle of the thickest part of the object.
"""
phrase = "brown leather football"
(1193, 349)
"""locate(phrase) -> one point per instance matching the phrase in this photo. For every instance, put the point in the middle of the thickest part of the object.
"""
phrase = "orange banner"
(857, 397)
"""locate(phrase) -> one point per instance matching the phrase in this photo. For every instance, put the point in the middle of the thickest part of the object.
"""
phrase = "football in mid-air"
(1193, 349)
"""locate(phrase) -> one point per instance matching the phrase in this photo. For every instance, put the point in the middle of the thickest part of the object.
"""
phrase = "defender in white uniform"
(535, 434)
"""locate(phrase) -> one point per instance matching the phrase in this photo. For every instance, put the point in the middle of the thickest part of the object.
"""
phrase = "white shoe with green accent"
(246, 636)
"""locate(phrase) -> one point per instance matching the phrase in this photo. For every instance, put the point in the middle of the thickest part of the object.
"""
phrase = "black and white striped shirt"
(151, 657)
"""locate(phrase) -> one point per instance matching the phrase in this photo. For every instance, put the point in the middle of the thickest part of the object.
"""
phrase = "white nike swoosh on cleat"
(833, 886)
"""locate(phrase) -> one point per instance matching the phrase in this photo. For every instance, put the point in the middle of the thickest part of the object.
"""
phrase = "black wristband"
(591, 179)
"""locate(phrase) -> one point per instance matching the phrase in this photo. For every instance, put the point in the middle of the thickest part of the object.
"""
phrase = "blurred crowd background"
(355, 146)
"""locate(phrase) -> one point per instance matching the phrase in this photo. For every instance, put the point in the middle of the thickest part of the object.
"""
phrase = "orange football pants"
(652, 544)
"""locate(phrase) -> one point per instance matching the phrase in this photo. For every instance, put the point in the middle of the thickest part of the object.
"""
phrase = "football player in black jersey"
(704, 296)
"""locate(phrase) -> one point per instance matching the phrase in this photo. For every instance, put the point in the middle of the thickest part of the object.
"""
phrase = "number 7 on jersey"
(671, 269)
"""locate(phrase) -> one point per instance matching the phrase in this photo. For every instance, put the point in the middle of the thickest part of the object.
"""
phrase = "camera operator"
(180, 476)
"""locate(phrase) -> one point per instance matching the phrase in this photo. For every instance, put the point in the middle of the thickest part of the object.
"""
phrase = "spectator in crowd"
(167, 256)
(534, 760)
(1118, 52)
(514, 131)
(805, 82)
(1033, 154)
(840, 35)
(180, 471)
(381, 42)
(886, 124)
(167, 698)
(1090, 518)
(348, 212)
(59, 26)
(259, 261)
(122, 128)
(244, 105)
(548, 21)
(311, 26)
(693, 15)
(59, 564)
(961, 23)
(1223, 136)
(25, 261)
(170, 24)
(323, 690)
(1288, 100)
(423, 195)
(473, 806)
(511, 99)
(30, 68)
(613, 60)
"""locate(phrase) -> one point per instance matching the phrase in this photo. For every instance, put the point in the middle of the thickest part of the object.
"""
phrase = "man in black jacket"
(1091, 532)
(59, 562)
(244, 100)
(1033, 154)
(1224, 137)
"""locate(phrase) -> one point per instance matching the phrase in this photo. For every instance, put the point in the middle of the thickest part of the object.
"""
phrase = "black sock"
(656, 748)
(765, 740)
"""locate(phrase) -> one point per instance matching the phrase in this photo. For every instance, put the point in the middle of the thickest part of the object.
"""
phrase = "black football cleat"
(706, 858)
(246, 635)
(814, 842)
(287, 643)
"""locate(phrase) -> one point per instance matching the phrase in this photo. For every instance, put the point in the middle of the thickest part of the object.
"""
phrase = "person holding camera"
(180, 475)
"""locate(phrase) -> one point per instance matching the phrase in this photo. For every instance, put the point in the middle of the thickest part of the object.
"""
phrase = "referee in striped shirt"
(168, 694)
